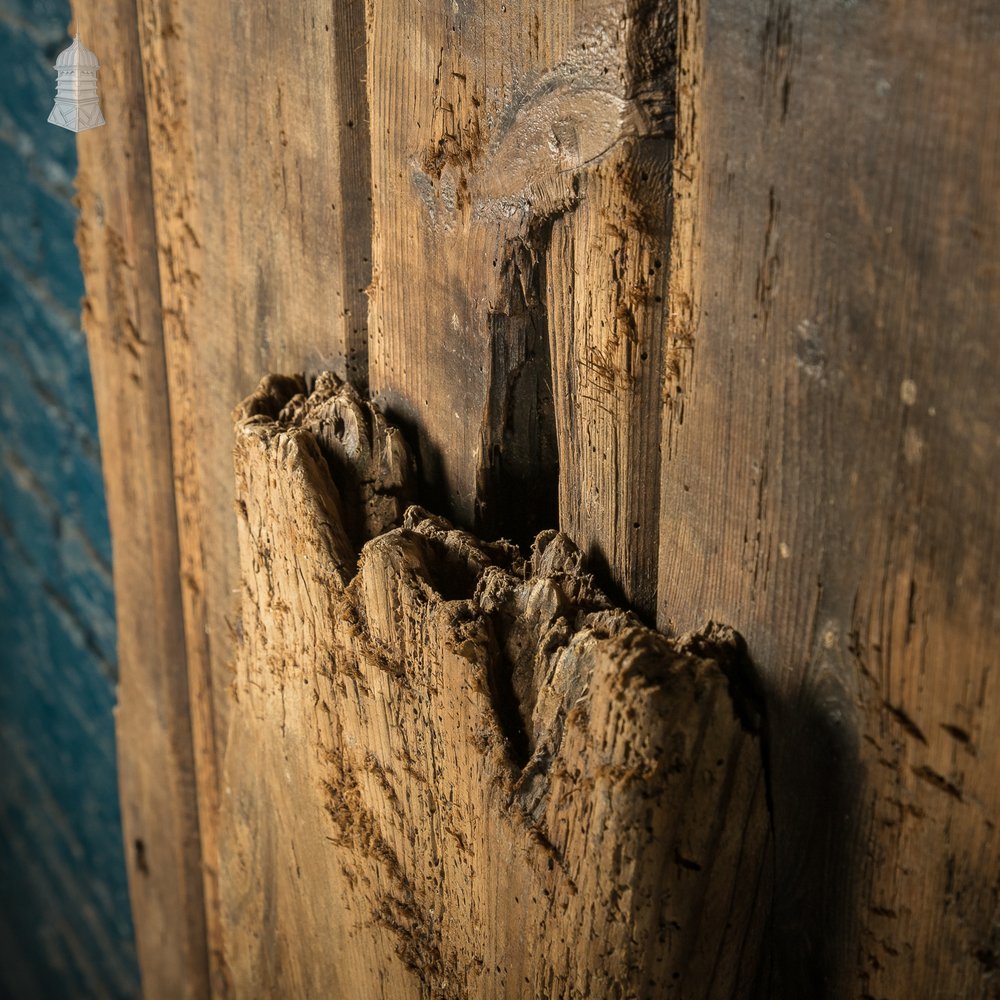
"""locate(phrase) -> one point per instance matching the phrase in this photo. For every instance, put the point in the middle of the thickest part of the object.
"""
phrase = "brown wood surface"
(260, 174)
(831, 461)
(757, 389)
(454, 773)
(123, 322)
(520, 163)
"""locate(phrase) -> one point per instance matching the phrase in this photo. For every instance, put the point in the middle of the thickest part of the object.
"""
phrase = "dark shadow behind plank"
(830, 461)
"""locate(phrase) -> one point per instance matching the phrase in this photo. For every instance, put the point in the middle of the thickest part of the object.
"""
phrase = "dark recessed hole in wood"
(518, 477)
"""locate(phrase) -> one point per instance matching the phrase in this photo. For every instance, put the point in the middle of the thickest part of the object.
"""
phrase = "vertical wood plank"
(123, 323)
(831, 454)
(520, 170)
(455, 293)
(607, 294)
(456, 772)
(258, 155)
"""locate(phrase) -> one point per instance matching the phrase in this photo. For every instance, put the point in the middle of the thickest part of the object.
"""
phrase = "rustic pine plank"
(831, 457)
(520, 158)
(607, 311)
(828, 433)
(259, 154)
(452, 772)
(123, 322)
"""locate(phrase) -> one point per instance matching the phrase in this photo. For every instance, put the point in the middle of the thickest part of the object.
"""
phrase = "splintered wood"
(453, 771)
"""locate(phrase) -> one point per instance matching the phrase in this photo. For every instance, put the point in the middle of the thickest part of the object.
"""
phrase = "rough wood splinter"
(457, 772)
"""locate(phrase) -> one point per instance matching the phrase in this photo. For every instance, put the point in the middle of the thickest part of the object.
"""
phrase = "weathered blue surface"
(65, 929)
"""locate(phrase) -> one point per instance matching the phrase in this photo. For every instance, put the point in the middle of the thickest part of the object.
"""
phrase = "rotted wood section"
(756, 386)
(454, 771)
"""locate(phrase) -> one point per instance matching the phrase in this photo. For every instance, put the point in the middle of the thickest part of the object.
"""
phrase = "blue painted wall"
(65, 929)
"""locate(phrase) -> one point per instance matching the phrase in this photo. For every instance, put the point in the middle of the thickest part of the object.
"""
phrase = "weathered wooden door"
(710, 286)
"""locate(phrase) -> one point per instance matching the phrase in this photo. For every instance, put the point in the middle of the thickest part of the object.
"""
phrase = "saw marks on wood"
(453, 771)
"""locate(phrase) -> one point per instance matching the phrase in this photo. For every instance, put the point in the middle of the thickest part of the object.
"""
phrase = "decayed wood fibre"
(454, 771)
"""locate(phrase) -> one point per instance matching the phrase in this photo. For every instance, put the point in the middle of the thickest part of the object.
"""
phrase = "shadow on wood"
(454, 771)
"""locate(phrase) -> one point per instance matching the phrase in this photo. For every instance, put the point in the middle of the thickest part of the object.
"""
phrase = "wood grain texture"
(453, 772)
(123, 322)
(607, 294)
(821, 384)
(520, 159)
(831, 456)
(260, 180)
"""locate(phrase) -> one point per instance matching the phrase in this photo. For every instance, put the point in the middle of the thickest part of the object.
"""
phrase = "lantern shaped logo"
(76, 106)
